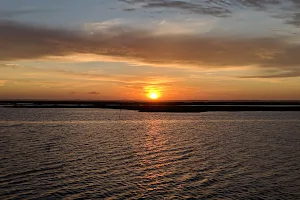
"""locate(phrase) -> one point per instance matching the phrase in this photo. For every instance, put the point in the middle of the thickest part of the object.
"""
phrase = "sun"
(153, 95)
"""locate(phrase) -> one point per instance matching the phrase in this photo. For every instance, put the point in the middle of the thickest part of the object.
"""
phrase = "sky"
(127, 49)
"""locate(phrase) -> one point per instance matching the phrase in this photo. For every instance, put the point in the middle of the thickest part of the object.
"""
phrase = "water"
(92, 153)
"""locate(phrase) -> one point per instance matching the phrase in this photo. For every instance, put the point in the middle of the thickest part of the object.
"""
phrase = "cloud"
(43, 73)
(296, 15)
(93, 93)
(2, 82)
(182, 5)
(19, 41)
(129, 9)
(290, 74)
(295, 20)
(21, 11)
(225, 8)
(212, 7)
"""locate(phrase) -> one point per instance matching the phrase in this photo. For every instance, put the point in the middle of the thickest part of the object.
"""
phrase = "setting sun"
(153, 95)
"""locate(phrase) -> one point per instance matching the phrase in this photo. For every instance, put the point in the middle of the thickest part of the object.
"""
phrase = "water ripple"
(83, 154)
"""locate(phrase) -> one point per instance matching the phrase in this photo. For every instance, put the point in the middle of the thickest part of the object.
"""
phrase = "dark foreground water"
(92, 153)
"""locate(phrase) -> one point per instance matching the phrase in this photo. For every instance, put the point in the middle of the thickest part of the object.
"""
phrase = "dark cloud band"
(20, 41)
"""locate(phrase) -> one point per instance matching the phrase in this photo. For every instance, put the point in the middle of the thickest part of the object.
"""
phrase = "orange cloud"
(2, 82)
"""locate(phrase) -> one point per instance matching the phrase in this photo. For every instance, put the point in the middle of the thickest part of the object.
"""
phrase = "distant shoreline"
(162, 106)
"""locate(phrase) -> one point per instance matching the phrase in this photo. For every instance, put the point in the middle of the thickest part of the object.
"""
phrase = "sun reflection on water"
(155, 155)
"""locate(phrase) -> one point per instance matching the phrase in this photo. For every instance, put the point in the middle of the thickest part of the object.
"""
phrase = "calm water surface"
(95, 153)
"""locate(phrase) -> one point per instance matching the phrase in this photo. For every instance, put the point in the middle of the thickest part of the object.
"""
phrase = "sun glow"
(153, 95)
